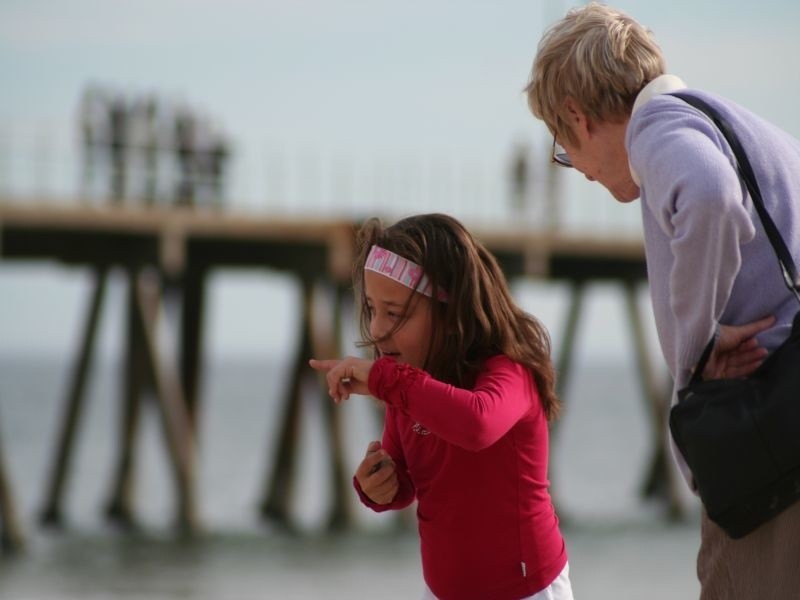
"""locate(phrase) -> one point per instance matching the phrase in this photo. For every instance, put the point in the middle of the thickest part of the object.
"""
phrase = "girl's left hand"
(345, 376)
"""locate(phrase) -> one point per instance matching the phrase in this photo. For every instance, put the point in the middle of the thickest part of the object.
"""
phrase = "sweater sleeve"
(471, 419)
(691, 186)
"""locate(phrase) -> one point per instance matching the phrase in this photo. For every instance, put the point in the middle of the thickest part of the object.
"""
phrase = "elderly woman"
(599, 84)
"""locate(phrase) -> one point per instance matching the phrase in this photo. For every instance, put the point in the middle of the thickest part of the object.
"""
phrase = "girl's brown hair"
(480, 318)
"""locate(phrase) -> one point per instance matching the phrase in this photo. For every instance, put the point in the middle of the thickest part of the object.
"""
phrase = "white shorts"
(559, 589)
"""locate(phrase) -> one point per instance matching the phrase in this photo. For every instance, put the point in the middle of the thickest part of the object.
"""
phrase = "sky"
(350, 73)
(350, 79)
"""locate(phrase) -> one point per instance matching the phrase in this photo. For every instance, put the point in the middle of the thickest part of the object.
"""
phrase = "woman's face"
(599, 153)
(386, 301)
(604, 159)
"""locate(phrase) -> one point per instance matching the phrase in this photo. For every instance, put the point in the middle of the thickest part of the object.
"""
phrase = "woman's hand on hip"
(737, 352)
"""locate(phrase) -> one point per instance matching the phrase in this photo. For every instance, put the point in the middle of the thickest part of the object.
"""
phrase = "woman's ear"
(577, 119)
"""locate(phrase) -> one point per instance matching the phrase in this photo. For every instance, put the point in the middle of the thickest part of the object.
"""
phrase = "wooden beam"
(62, 456)
(11, 537)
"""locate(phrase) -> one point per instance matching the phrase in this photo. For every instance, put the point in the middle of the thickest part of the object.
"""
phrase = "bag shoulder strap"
(748, 176)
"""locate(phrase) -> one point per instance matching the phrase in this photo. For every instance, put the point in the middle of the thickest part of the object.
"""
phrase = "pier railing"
(53, 165)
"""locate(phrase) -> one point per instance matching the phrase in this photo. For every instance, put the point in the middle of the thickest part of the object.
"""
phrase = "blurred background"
(289, 111)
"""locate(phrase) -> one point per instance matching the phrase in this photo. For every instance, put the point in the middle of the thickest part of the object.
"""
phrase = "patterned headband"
(400, 269)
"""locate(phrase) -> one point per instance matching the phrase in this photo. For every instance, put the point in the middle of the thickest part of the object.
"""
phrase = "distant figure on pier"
(599, 84)
(520, 179)
(185, 138)
(210, 159)
(118, 130)
(139, 140)
(468, 387)
(94, 134)
(147, 143)
(218, 156)
(202, 150)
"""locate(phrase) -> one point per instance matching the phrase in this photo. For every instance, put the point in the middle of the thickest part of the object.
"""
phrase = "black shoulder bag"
(741, 437)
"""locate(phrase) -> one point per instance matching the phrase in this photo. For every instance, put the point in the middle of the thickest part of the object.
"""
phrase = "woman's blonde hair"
(480, 318)
(598, 56)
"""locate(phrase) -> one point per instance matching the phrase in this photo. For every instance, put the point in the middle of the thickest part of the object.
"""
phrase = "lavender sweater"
(709, 261)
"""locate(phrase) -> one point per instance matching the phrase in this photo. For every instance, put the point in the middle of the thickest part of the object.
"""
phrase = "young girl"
(467, 382)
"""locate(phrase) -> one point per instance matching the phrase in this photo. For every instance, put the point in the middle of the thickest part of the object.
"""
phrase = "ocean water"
(620, 546)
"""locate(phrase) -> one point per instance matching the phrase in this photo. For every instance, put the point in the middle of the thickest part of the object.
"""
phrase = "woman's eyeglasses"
(560, 156)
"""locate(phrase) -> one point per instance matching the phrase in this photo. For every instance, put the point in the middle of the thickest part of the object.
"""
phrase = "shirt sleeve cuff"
(389, 380)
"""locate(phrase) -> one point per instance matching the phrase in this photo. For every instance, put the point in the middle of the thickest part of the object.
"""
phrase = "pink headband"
(400, 269)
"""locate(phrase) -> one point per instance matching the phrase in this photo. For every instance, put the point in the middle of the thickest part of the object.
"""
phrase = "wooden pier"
(173, 251)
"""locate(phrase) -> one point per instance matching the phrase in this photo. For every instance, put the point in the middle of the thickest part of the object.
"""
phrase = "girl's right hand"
(377, 476)
(349, 375)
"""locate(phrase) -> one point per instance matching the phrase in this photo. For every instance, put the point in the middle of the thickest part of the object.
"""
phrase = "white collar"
(662, 84)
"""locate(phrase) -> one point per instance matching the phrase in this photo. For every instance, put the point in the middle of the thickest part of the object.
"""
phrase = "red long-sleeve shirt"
(476, 461)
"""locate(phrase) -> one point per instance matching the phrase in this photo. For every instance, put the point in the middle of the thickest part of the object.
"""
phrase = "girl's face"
(386, 300)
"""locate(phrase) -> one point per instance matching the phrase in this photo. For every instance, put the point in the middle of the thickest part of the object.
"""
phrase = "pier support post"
(175, 421)
(340, 516)
(146, 365)
(660, 480)
(191, 336)
(51, 513)
(120, 505)
(11, 537)
(277, 489)
(564, 361)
